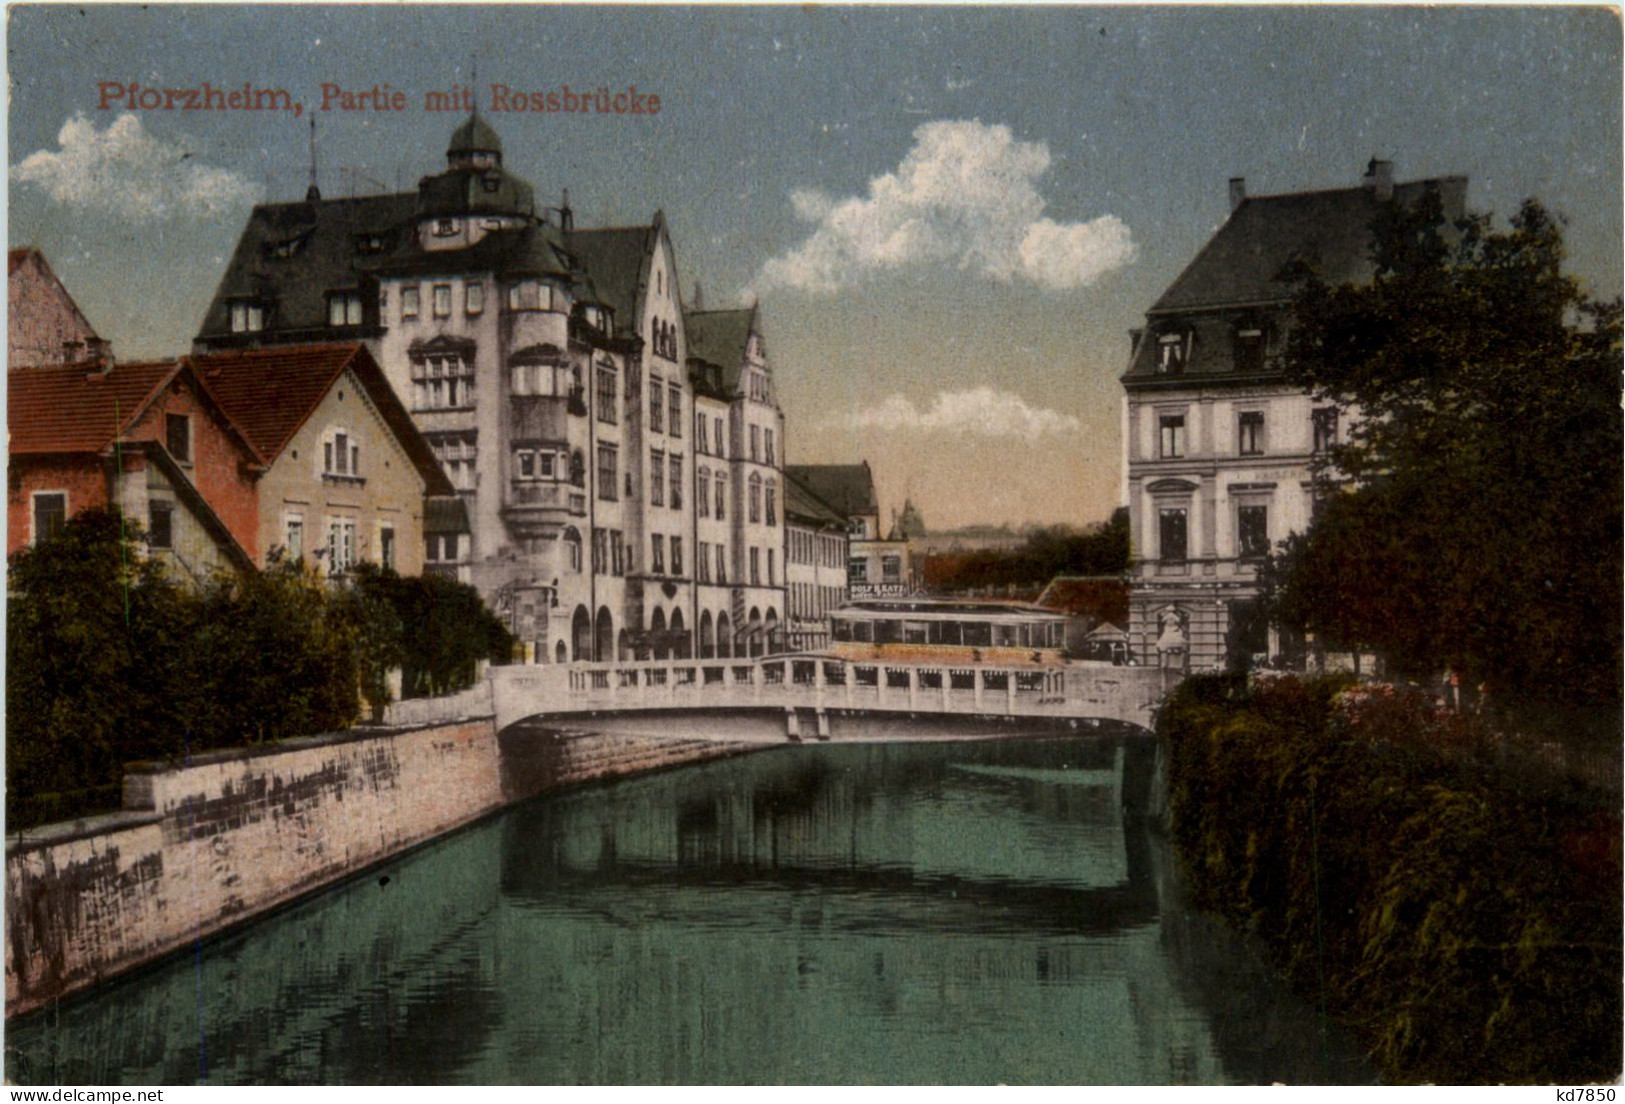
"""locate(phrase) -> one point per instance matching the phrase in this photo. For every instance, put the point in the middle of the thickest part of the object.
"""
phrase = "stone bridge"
(807, 687)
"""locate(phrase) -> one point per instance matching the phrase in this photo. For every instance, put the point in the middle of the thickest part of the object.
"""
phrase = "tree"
(1472, 518)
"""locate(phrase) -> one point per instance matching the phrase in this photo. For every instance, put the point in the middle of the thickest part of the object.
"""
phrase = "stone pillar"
(1010, 693)
(913, 688)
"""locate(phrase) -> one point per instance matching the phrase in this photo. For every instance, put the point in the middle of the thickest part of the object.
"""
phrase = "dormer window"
(369, 244)
(287, 247)
(1250, 342)
(491, 182)
(1173, 350)
(445, 228)
(247, 316)
(344, 308)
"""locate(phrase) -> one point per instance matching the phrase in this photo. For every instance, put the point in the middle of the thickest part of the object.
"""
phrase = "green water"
(963, 913)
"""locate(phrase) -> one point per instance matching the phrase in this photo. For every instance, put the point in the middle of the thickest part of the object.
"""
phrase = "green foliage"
(1056, 550)
(1478, 525)
(110, 661)
(1459, 910)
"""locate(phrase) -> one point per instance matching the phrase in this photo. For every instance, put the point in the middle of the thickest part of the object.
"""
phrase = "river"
(972, 912)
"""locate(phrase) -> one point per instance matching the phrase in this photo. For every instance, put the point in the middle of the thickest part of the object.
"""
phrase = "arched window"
(657, 633)
(772, 503)
(680, 648)
(755, 498)
(572, 549)
(725, 637)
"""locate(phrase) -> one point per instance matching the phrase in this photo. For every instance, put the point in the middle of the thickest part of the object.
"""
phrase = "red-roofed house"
(347, 475)
(45, 325)
(148, 439)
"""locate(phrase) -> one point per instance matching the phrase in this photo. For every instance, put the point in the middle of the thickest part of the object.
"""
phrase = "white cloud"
(966, 195)
(978, 410)
(125, 172)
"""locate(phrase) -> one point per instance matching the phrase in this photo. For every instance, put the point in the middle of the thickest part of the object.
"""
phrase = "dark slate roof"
(849, 489)
(320, 240)
(443, 514)
(74, 408)
(474, 135)
(1250, 262)
(616, 256)
(720, 337)
(802, 504)
(1265, 236)
(473, 192)
(270, 393)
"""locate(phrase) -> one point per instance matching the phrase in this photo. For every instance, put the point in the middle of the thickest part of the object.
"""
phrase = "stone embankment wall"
(233, 834)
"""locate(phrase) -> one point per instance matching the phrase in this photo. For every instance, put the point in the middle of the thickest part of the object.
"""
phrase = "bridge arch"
(581, 635)
(657, 633)
(725, 637)
(604, 637)
(681, 647)
(708, 641)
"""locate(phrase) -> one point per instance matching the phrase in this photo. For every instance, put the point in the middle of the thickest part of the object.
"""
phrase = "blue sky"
(952, 217)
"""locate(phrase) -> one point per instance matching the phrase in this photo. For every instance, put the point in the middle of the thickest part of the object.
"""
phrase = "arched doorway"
(725, 637)
(561, 656)
(775, 643)
(708, 643)
(581, 635)
(657, 633)
(604, 650)
(681, 646)
(754, 632)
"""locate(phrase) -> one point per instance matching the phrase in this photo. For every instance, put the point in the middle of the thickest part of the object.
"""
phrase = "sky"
(951, 217)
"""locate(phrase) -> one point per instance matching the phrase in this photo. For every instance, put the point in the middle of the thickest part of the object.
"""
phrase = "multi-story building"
(1219, 448)
(547, 367)
(147, 439)
(878, 564)
(816, 539)
(45, 325)
(740, 524)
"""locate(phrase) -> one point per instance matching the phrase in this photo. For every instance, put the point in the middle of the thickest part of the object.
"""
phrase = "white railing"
(1078, 690)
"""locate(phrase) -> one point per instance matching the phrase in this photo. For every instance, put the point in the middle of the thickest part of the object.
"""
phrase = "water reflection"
(885, 913)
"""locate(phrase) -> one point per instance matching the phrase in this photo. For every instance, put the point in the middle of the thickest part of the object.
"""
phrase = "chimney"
(1379, 178)
(1238, 191)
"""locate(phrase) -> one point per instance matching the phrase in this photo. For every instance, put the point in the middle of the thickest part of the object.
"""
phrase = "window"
(677, 555)
(409, 302)
(160, 524)
(769, 450)
(473, 297)
(1249, 349)
(657, 408)
(722, 564)
(857, 570)
(247, 316)
(386, 547)
(341, 455)
(891, 569)
(600, 551)
(606, 394)
(1173, 436)
(771, 576)
(440, 548)
(50, 514)
(530, 295)
(755, 442)
(702, 562)
(525, 464)
(674, 409)
(772, 508)
(675, 461)
(657, 478)
(722, 443)
(657, 554)
(1171, 534)
(445, 228)
(456, 453)
(606, 472)
(755, 567)
(344, 308)
(442, 381)
(701, 444)
(722, 496)
(1250, 432)
(1252, 531)
(442, 300)
(296, 536)
(702, 493)
(755, 499)
(1324, 421)
(1171, 351)
(340, 545)
(572, 549)
(178, 436)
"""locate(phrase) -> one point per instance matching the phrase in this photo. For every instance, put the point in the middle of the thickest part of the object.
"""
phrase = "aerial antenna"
(313, 194)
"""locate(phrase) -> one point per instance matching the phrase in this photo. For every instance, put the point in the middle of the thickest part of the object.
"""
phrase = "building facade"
(1220, 450)
(878, 562)
(548, 369)
(816, 537)
(44, 325)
